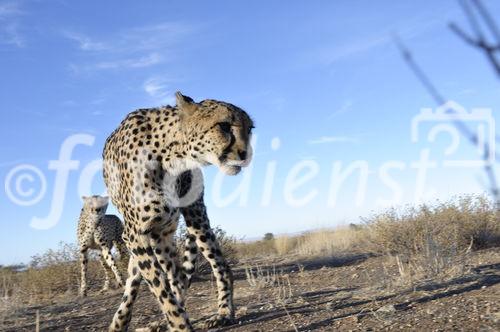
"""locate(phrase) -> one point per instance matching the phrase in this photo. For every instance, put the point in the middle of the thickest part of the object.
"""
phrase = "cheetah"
(152, 169)
(97, 230)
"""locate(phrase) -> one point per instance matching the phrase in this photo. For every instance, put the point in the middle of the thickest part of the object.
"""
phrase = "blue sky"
(322, 79)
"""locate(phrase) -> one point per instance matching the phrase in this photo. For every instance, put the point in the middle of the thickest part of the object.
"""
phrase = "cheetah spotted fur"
(99, 231)
(152, 172)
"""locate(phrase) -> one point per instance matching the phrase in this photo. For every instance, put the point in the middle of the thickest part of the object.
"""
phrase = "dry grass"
(330, 242)
(255, 249)
(279, 282)
(285, 244)
(425, 243)
(434, 242)
(53, 274)
(259, 277)
(450, 227)
(318, 243)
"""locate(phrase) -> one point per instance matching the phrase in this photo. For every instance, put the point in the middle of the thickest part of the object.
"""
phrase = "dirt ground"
(350, 293)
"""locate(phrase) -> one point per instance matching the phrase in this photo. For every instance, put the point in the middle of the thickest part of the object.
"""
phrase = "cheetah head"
(217, 132)
(95, 203)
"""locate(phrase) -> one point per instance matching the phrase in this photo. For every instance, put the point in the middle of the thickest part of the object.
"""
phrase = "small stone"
(389, 308)
(242, 311)
(430, 311)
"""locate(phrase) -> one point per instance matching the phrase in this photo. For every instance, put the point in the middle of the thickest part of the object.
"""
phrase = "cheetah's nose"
(242, 154)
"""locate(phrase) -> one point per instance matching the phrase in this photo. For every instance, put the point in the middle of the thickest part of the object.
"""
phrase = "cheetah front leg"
(83, 271)
(189, 259)
(121, 319)
(105, 267)
(166, 254)
(198, 225)
(110, 261)
(175, 316)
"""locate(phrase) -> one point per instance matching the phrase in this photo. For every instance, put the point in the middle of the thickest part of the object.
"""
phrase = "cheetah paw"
(160, 326)
(218, 321)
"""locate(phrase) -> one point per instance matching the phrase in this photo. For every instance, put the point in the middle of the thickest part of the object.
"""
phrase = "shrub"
(451, 226)
(268, 237)
(435, 241)
(255, 249)
(49, 275)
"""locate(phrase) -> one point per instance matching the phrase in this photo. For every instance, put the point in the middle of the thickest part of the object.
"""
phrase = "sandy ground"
(349, 293)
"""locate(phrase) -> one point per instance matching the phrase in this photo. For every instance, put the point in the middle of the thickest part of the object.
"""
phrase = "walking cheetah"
(152, 171)
(100, 231)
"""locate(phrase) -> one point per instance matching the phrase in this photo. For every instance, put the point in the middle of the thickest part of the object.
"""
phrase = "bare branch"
(440, 100)
(472, 19)
(431, 89)
(488, 19)
(479, 41)
(460, 33)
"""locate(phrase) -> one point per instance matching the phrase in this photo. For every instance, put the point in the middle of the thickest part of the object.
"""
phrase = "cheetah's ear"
(185, 104)
(84, 198)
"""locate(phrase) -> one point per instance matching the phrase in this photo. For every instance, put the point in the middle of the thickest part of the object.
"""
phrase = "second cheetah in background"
(99, 231)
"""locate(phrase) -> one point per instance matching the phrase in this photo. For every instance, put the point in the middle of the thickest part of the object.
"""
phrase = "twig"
(290, 317)
(440, 100)
(37, 321)
(487, 19)
(479, 41)
(468, 39)
(472, 19)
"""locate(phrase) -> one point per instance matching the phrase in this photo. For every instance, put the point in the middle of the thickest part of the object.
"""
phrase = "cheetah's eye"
(225, 127)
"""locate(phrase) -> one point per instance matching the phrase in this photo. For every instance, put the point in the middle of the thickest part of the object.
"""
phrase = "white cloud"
(8, 9)
(467, 92)
(333, 139)
(127, 63)
(140, 62)
(344, 108)
(9, 34)
(407, 29)
(84, 42)
(159, 91)
(132, 48)
(9, 25)
(69, 103)
(354, 48)
(153, 37)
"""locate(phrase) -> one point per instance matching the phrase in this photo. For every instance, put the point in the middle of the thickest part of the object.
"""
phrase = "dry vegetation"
(51, 276)
(414, 246)
(427, 242)
(449, 227)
